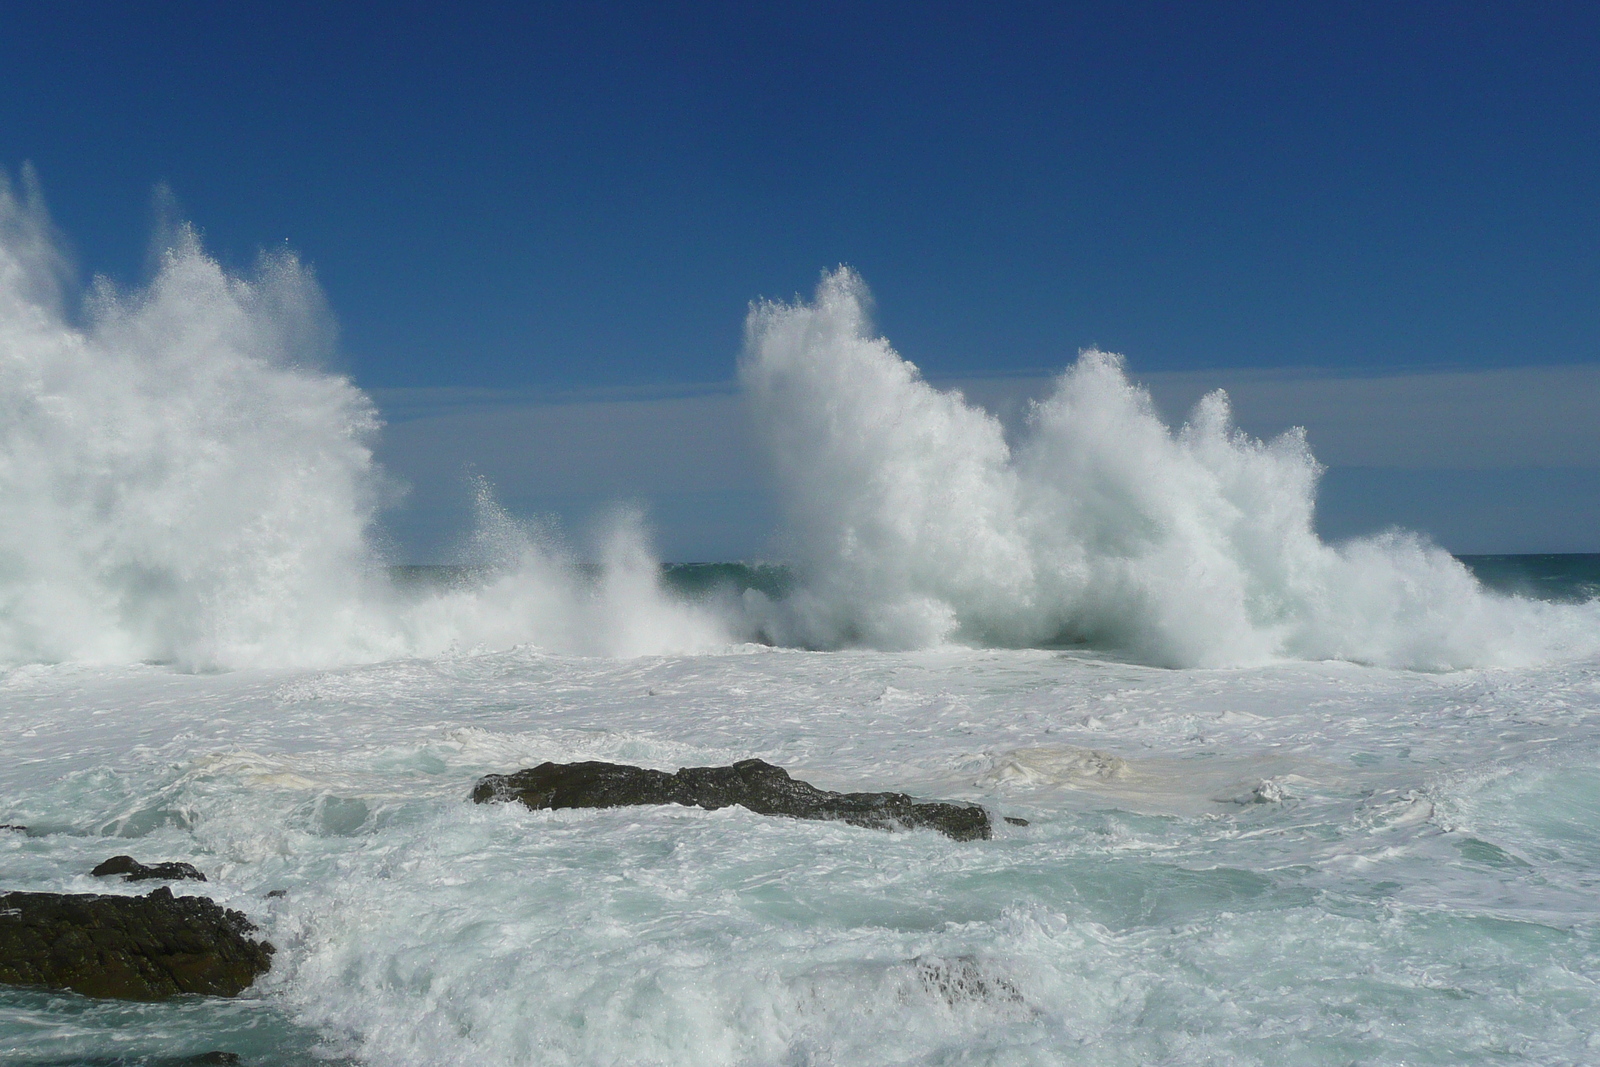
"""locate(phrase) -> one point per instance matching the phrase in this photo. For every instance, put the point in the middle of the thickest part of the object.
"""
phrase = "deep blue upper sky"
(585, 195)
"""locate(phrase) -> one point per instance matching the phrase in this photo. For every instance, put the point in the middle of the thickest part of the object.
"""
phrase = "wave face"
(915, 522)
(181, 481)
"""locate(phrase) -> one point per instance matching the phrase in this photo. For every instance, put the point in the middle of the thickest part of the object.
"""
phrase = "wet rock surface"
(752, 783)
(199, 1059)
(134, 948)
(134, 871)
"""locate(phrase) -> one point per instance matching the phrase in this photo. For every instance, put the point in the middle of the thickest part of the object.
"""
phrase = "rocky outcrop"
(199, 1059)
(750, 783)
(134, 871)
(135, 948)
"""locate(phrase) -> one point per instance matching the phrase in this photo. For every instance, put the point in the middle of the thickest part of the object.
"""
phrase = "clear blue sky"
(587, 194)
(558, 197)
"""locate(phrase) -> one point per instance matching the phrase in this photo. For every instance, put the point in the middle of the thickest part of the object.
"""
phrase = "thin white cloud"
(1501, 419)
(680, 447)
(696, 439)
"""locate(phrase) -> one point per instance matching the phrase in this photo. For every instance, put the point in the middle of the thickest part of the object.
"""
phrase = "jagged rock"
(12, 826)
(750, 783)
(1014, 821)
(134, 871)
(135, 948)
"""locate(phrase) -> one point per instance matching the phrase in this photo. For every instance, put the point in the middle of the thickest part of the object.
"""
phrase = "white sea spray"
(913, 522)
(182, 480)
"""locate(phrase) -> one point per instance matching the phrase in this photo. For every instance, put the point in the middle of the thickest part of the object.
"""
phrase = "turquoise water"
(1564, 577)
(1303, 864)
(685, 579)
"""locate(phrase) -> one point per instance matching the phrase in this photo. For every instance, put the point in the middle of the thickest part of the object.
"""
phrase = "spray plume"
(181, 480)
(914, 522)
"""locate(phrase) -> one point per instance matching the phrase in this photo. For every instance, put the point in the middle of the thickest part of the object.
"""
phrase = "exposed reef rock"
(750, 783)
(134, 948)
(134, 871)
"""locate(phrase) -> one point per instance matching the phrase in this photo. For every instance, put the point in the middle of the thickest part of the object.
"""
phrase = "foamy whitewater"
(1288, 802)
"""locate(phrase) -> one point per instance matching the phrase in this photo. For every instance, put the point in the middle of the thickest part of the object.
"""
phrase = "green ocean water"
(1572, 577)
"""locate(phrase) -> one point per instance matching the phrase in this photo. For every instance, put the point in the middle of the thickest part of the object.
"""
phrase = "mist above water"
(184, 480)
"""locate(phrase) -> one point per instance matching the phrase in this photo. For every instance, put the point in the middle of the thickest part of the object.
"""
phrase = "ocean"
(1286, 802)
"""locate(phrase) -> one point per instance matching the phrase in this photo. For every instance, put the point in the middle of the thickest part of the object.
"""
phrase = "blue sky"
(549, 202)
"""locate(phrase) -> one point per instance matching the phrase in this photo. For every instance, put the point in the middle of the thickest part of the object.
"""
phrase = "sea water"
(1286, 802)
(1302, 863)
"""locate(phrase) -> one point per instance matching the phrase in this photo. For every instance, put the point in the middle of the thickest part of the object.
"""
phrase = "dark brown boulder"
(134, 871)
(134, 948)
(750, 783)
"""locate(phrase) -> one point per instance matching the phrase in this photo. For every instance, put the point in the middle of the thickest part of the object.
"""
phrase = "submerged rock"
(134, 871)
(751, 783)
(962, 979)
(134, 948)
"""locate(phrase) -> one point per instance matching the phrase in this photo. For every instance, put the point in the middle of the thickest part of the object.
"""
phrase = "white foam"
(183, 482)
(1425, 854)
(179, 482)
(915, 522)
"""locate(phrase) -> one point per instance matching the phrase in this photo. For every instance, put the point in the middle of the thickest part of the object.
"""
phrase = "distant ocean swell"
(183, 483)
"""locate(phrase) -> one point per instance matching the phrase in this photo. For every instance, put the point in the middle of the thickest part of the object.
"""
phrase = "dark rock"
(964, 979)
(750, 783)
(273, 893)
(134, 871)
(136, 948)
(199, 1059)
(18, 829)
(1014, 821)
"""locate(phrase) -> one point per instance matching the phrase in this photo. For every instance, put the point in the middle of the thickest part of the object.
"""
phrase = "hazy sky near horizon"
(540, 200)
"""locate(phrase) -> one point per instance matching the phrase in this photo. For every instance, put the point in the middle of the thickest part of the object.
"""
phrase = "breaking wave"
(914, 521)
(183, 480)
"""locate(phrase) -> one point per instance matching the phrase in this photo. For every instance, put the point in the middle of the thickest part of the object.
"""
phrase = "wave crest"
(915, 521)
